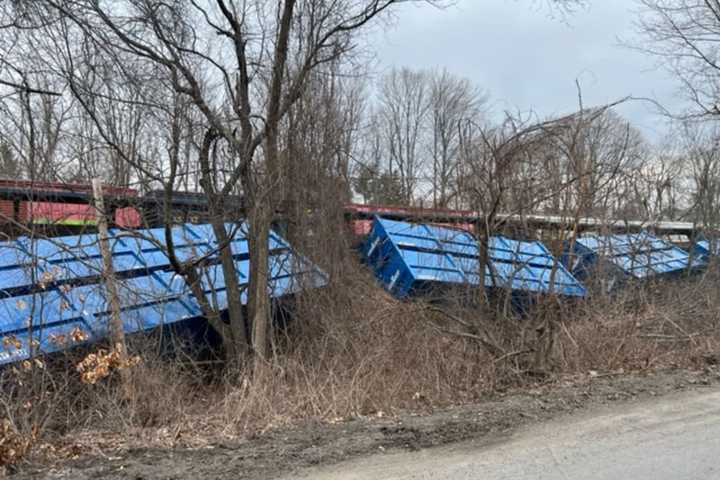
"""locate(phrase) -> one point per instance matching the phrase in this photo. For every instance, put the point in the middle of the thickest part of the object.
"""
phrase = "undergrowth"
(352, 350)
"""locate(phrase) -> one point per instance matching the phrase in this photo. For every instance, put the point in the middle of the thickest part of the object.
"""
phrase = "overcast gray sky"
(529, 60)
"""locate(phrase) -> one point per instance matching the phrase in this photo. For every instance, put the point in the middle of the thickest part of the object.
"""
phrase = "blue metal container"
(631, 256)
(52, 296)
(529, 266)
(409, 258)
(704, 249)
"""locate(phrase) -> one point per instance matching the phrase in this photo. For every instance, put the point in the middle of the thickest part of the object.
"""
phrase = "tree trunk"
(262, 202)
(238, 328)
(259, 303)
(117, 334)
(546, 336)
(235, 337)
(212, 315)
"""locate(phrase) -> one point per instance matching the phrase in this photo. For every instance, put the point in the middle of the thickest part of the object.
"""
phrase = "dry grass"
(352, 350)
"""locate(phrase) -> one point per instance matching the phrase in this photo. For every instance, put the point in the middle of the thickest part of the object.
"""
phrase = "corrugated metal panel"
(637, 256)
(51, 290)
(530, 266)
(408, 256)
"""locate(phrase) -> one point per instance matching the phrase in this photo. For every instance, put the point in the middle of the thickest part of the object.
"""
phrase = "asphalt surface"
(670, 438)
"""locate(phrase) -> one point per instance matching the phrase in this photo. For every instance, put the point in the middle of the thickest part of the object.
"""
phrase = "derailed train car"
(416, 258)
(613, 260)
(52, 296)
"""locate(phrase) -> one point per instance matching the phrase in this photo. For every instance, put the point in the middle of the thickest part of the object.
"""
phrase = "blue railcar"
(52, 295)
(705, 249)
(617, 258)
(529, 266)
(410, 258)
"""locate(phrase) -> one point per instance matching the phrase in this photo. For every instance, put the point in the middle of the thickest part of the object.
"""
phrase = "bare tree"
(684, 35)
(453, 100)
(403, 108)
(597, 148)
(700, 153)
(17, 75)
(652, 189)
(372, 178)
(414, 129)
(34, 126)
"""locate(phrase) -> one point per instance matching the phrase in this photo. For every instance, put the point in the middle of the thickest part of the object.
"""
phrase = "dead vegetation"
(353, 351)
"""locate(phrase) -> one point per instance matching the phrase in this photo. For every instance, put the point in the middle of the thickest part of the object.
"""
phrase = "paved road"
(673, 438)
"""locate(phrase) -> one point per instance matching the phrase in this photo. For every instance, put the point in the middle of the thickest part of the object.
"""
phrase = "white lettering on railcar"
(394, 279)
(373, 246)
(15, 353)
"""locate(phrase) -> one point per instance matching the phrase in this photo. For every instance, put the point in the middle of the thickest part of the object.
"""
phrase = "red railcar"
(17, 204)
(69, 205)
(360, 216)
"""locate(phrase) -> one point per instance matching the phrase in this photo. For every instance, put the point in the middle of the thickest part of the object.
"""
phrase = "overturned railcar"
(53, 297)
(612, 260)
(416, 258)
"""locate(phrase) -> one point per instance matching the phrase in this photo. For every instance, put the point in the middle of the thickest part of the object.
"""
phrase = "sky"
(528, 58)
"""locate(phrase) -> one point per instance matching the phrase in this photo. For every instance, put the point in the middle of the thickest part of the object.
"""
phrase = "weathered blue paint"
(631, 256)
(530, 266)
(705, 249)
(409, 257)
(51, 290)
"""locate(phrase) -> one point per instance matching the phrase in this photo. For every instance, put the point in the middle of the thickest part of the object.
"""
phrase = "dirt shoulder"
(284, 451)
